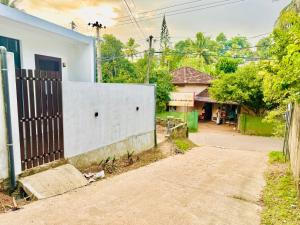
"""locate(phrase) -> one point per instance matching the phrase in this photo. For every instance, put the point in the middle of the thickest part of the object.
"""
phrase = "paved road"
(225, 137)
(208, 185)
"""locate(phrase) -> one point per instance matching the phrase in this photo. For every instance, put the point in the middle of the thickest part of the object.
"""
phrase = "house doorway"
(47, 63)
(208, 111)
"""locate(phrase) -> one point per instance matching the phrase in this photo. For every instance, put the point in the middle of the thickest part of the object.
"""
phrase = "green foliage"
(255, 125)
(281, 83)
(237, 47)
(131, 48)
(276, 157)
(164, 35)
(281, 205)
(111, 47)
(119, 71)
(116, 68)
(183, 145)
(243, 87)
(264, 48)
(10, 3)
(162, 79)
(227, 65)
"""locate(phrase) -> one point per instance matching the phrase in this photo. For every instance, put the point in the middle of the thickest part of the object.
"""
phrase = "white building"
(34, 40)
(98, 120)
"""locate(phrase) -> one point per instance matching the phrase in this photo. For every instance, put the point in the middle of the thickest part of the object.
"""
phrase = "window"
(12, 45)
(47, 63)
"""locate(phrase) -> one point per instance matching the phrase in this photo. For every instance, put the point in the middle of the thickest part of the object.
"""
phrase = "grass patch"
(276, 157)
(281, 205)
(255, 125)
(183, 145)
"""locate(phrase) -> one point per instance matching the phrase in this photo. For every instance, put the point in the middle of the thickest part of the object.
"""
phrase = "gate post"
(11, 117)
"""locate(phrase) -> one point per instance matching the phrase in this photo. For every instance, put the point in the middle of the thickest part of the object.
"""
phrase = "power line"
(192, 37)
(177, 10)
(220, 56)
(188, 11)
(195, 53)
(256, 36)
(248, 37)
(134, 20)
(160, 9)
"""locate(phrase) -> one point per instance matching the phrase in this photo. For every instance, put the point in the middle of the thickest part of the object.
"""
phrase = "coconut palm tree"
(10, 3)
(201, 46)
(130, 48)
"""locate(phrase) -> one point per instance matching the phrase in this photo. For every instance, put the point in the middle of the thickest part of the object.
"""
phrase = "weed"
(281, 205)
(276, 157)
(130, 157)
(183, 145)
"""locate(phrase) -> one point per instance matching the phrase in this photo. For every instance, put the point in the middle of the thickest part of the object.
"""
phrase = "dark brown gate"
(39, 95)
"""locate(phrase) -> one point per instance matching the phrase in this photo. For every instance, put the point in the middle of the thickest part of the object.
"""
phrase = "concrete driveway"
(224, 136)
(213, 184)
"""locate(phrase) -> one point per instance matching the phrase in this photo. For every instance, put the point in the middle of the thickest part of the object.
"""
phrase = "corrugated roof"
(188, 75)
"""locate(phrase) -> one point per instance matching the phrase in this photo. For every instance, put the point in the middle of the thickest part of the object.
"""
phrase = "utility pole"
(150, 40)
(98, 27)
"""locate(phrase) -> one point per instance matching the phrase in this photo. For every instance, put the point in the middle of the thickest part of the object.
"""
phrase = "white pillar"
(14, 111)
(3, 147)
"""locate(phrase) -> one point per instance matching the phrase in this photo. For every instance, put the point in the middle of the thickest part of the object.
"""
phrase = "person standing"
(218, 116)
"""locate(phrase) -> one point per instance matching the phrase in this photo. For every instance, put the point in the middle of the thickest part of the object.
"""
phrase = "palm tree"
(201, 46)
(130, 48)
(10, 3)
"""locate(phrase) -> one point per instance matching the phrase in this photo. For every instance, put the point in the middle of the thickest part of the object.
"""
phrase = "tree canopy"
(264, 77)
(243, 87)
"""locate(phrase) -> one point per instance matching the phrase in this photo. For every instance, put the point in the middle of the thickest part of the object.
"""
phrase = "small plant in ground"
(109, 164)
(276, 157)
(183, 145)
(130, 157)
(112, 167)
(103, 164)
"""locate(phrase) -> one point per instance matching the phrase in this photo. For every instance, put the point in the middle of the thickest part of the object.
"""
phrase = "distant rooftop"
(188, 75)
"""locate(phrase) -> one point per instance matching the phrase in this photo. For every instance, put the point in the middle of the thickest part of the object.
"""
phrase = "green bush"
(183, 145)
(276, 157)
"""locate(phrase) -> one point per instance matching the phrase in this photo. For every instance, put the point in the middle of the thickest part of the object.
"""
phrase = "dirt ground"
(218, 183)
(7, 203)
(4, 201)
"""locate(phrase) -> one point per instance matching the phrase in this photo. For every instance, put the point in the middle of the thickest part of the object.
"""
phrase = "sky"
(185, 18)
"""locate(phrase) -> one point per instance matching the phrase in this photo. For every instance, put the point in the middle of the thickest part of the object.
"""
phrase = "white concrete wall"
(14, 120)
(118, 118)
(78, 56)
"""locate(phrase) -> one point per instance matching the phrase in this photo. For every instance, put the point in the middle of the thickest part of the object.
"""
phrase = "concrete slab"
(53, 182)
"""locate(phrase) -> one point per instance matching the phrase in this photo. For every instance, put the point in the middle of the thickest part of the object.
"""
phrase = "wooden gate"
(39, 96)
